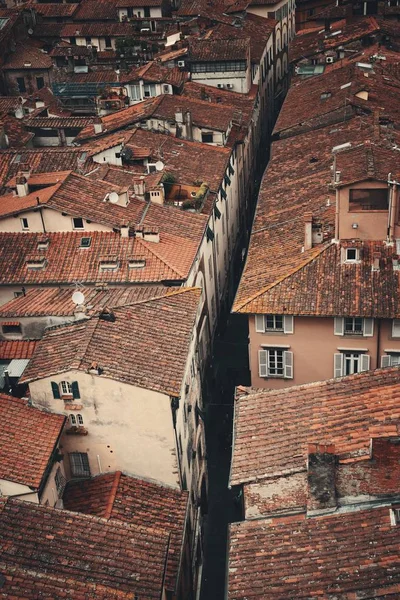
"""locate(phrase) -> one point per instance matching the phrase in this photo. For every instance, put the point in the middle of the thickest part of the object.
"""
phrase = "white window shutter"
(368, 327)
(263, 363)
(339, 326)
(260, 324)
(338, 364)
(288, 326)
(386, 360)
(288, 365)
(396, 328)
(364, 362)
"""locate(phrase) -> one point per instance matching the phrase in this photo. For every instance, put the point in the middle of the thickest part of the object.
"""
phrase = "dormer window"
(77, 223)
(108, 263)
(11, 328)
(43, 244)
(395, 516)
(351, 255)
(35, 262)
(136, 263)
(85, 242)
(325, 95)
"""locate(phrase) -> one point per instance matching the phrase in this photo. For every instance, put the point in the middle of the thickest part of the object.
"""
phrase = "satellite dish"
(159, 165)
(30, 31)
(113, 197)
(78, 297)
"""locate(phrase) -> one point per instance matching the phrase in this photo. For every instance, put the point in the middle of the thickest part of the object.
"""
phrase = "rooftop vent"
(107, 315)
(35, 262)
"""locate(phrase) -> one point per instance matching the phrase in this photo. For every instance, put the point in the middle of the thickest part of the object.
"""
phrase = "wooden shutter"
(75, 390)
(288, 324)
(338, 365)
(260, 324)
(339, 326)
(396, 328)
(288, 365)
(56, 390)
(368, 327)
(263, 363)
(386, 360)
(364, 362)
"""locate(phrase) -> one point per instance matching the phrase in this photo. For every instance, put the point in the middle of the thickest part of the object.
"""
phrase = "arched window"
(79, 419)
(72, 420)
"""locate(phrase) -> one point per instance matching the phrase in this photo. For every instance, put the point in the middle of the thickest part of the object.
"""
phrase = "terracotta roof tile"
(58, 302)
(93, 10)
(346, 412)
(83, 551)
(131, 349)
(27, 440)
(28, 56)
(58, 122)
(97, 29)
(14, 349)
(211, 50)
(135, 501)
(51, 10)
(66, 261)
(342, 556)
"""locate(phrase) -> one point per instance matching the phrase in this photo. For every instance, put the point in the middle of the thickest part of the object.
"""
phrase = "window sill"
(67, 397)
(77, 431)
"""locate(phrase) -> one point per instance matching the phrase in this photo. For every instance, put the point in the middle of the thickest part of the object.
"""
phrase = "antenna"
(78, 297)
(113, 197)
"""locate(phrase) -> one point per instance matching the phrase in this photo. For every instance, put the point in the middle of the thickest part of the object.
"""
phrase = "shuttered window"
(396, 328)
(348, 363)
(277, 323)
(275, 362)
(354, 326)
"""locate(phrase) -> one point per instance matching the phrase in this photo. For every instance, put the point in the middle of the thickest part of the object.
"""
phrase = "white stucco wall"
(129, 428)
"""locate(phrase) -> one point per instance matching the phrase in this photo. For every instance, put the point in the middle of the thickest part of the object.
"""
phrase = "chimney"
(39, 103)
(308, 219)
(321, 477)
(124, 231)
(151, 235)
(98, 126)
(376, 261)
(188, 125)
(22, 186)
(178, 115)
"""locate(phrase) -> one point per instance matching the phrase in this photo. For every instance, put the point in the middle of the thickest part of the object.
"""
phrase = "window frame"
(265, 356)
(286, 328)
(60, 482)
(24, 227)
(74, 226)
(81, 470)
(65, 388)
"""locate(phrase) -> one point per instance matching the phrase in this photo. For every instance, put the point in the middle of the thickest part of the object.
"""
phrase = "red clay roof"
(96, 29)
(347, 412)
(65, 261)
(83, 552)
(27, 440)
(28, 56)
(51, 10)
(134, 501)
(93, 10)
(11, 349)
(344, 556)
(212, 50)
(58, 302)
(131, 349)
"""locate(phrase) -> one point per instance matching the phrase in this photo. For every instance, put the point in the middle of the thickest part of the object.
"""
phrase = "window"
(11, 328)
(392, 359)
(349, 362)
(350, 255)
(21, 85)
(60, 482)
(368, 199)
(219, 66)
(72, 40)
(279, 323)
(24, 224)
(72, 420)
(39, 83)
(65, 388)
(88, 40)
(79, 420)
(79, 463)
(77, 223)
(275, 362)
(108, 42)
(396, 328)
(149, 90)
(146, 11)
(85, 242)
(207, 137)
(354, 326)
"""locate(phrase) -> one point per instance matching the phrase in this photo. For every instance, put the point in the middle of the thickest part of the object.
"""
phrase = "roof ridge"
(92, 325)
(304, 263)
(168, 293)
(113, 493)
(163, 260)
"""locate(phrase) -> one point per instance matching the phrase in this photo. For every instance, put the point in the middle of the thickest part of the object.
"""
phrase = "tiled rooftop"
(340, 556)
(94, 29)
(58, 302)
(82, 551)
(28, 55)
(346, 412)
(211, 50)
(93, 10)
(66, 261)
(52, 10)
(28, 438)
(132, 349)
(15, 349)
(134, 501)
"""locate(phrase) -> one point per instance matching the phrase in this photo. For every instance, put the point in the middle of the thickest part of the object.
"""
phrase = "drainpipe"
(378, 342)
(174, 408)
(41, 215)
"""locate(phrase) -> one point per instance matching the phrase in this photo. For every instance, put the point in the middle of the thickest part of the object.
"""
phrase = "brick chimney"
(308, 219)
(321, 477)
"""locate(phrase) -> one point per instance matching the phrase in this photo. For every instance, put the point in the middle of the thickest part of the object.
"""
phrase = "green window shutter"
(56, 390)
(75, 390)
(231, 169)
(210, 234)
(227, 179)
(217, 212)
(223, 193)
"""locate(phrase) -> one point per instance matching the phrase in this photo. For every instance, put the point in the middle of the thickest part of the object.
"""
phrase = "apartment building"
(327, 305)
